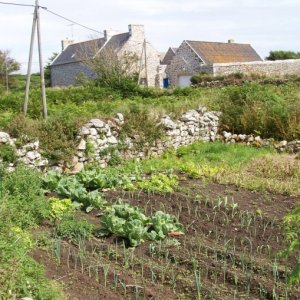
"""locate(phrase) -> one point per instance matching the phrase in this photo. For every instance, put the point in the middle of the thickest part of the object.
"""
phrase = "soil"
(231, 239)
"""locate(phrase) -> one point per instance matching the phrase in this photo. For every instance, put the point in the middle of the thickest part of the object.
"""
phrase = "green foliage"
(141, 125)
(77, 187)
(57, 135)
(157, 183)
(165, 224)
(22, 206)
(281, 55)
(60, 208)
(8, 153)
(22, 192)
(291, 224)
(7, 66)
(264, 110)
(74, 229)
(129, 222)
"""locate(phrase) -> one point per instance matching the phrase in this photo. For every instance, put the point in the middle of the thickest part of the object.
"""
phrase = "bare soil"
(231, 239)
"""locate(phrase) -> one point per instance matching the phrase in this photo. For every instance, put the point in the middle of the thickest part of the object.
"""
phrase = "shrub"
(73, 229)
(8, 153)
(281, 55)
(142, 126)
(57, 135)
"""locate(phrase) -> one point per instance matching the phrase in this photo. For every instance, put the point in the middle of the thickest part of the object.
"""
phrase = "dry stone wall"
(99, 141)
(269, 68)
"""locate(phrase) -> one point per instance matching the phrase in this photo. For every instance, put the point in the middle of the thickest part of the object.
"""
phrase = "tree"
(47, 70)
(8, 65)
(112, 68)
(281, 55)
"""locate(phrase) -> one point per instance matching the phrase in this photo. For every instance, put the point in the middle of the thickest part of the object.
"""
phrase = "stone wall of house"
(269, 68)
(65, 75)
(185, 62)
(135, 44)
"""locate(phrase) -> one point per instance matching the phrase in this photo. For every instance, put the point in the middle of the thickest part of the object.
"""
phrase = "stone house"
(193, 57)
(69, 64)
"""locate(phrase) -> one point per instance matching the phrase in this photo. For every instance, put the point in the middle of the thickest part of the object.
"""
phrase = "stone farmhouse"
(193, 57)
(69, 64)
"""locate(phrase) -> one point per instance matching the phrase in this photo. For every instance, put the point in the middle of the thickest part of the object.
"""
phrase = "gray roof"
(169, 56)
(74, 52)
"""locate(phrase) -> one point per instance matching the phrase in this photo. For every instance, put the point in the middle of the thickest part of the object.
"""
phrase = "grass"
(22, 207)
(252, 168)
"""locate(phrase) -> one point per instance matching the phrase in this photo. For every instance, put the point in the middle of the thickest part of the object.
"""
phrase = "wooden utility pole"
(141, 65)
(35, 25)
(146, 71)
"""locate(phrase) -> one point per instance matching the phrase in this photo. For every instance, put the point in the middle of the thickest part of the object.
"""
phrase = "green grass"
(22, 207)
(259, 169)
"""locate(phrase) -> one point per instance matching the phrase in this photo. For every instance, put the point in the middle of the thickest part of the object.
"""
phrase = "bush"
(265, 110)
(57, 135)
(143, 127)
(8, 153)
(281, 55)
(73, 229)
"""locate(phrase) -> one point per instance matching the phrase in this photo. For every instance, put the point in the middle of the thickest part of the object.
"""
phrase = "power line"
(20, 4)
(62, 17)
(69, 20)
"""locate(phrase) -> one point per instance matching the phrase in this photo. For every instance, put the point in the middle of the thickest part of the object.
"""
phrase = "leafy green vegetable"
(158, 183)
(60, 208)
(129, 222)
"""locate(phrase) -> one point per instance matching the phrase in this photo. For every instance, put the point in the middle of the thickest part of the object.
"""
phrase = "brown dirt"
(234, 249)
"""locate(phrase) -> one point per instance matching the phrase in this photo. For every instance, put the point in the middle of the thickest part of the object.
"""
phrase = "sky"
(265, 24)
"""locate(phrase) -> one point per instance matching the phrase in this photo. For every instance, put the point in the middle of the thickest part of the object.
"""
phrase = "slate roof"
(213, 52)
(169, 56)
(71, 53)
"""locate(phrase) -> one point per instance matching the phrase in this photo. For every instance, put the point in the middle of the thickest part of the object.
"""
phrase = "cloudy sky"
(266, 24)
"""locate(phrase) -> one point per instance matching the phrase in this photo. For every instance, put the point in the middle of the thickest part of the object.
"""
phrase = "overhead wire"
(19, 4)
(64, 18)
(69, 20)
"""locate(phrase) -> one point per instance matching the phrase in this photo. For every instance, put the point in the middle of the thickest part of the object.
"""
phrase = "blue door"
(166, 83)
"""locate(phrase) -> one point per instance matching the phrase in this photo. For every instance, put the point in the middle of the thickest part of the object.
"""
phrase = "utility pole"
(35, 24)
(6, 74)
(146, 71)
(141, 64)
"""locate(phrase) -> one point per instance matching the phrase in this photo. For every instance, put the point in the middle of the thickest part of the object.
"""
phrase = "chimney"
(230, 41)
(108, 33)
(136, 32)
(65, 43)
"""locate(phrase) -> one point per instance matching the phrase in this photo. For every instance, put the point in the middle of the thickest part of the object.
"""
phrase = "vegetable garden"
(144, 230)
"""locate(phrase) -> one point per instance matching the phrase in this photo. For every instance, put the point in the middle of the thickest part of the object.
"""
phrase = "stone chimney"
(136, 32)
(108, 33)
(65, 43)
(230, 41)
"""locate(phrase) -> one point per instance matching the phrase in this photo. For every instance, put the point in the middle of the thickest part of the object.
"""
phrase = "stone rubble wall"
(269, 68)
(28, 154)
(257, 141)
(103, 137)
(99, 141)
